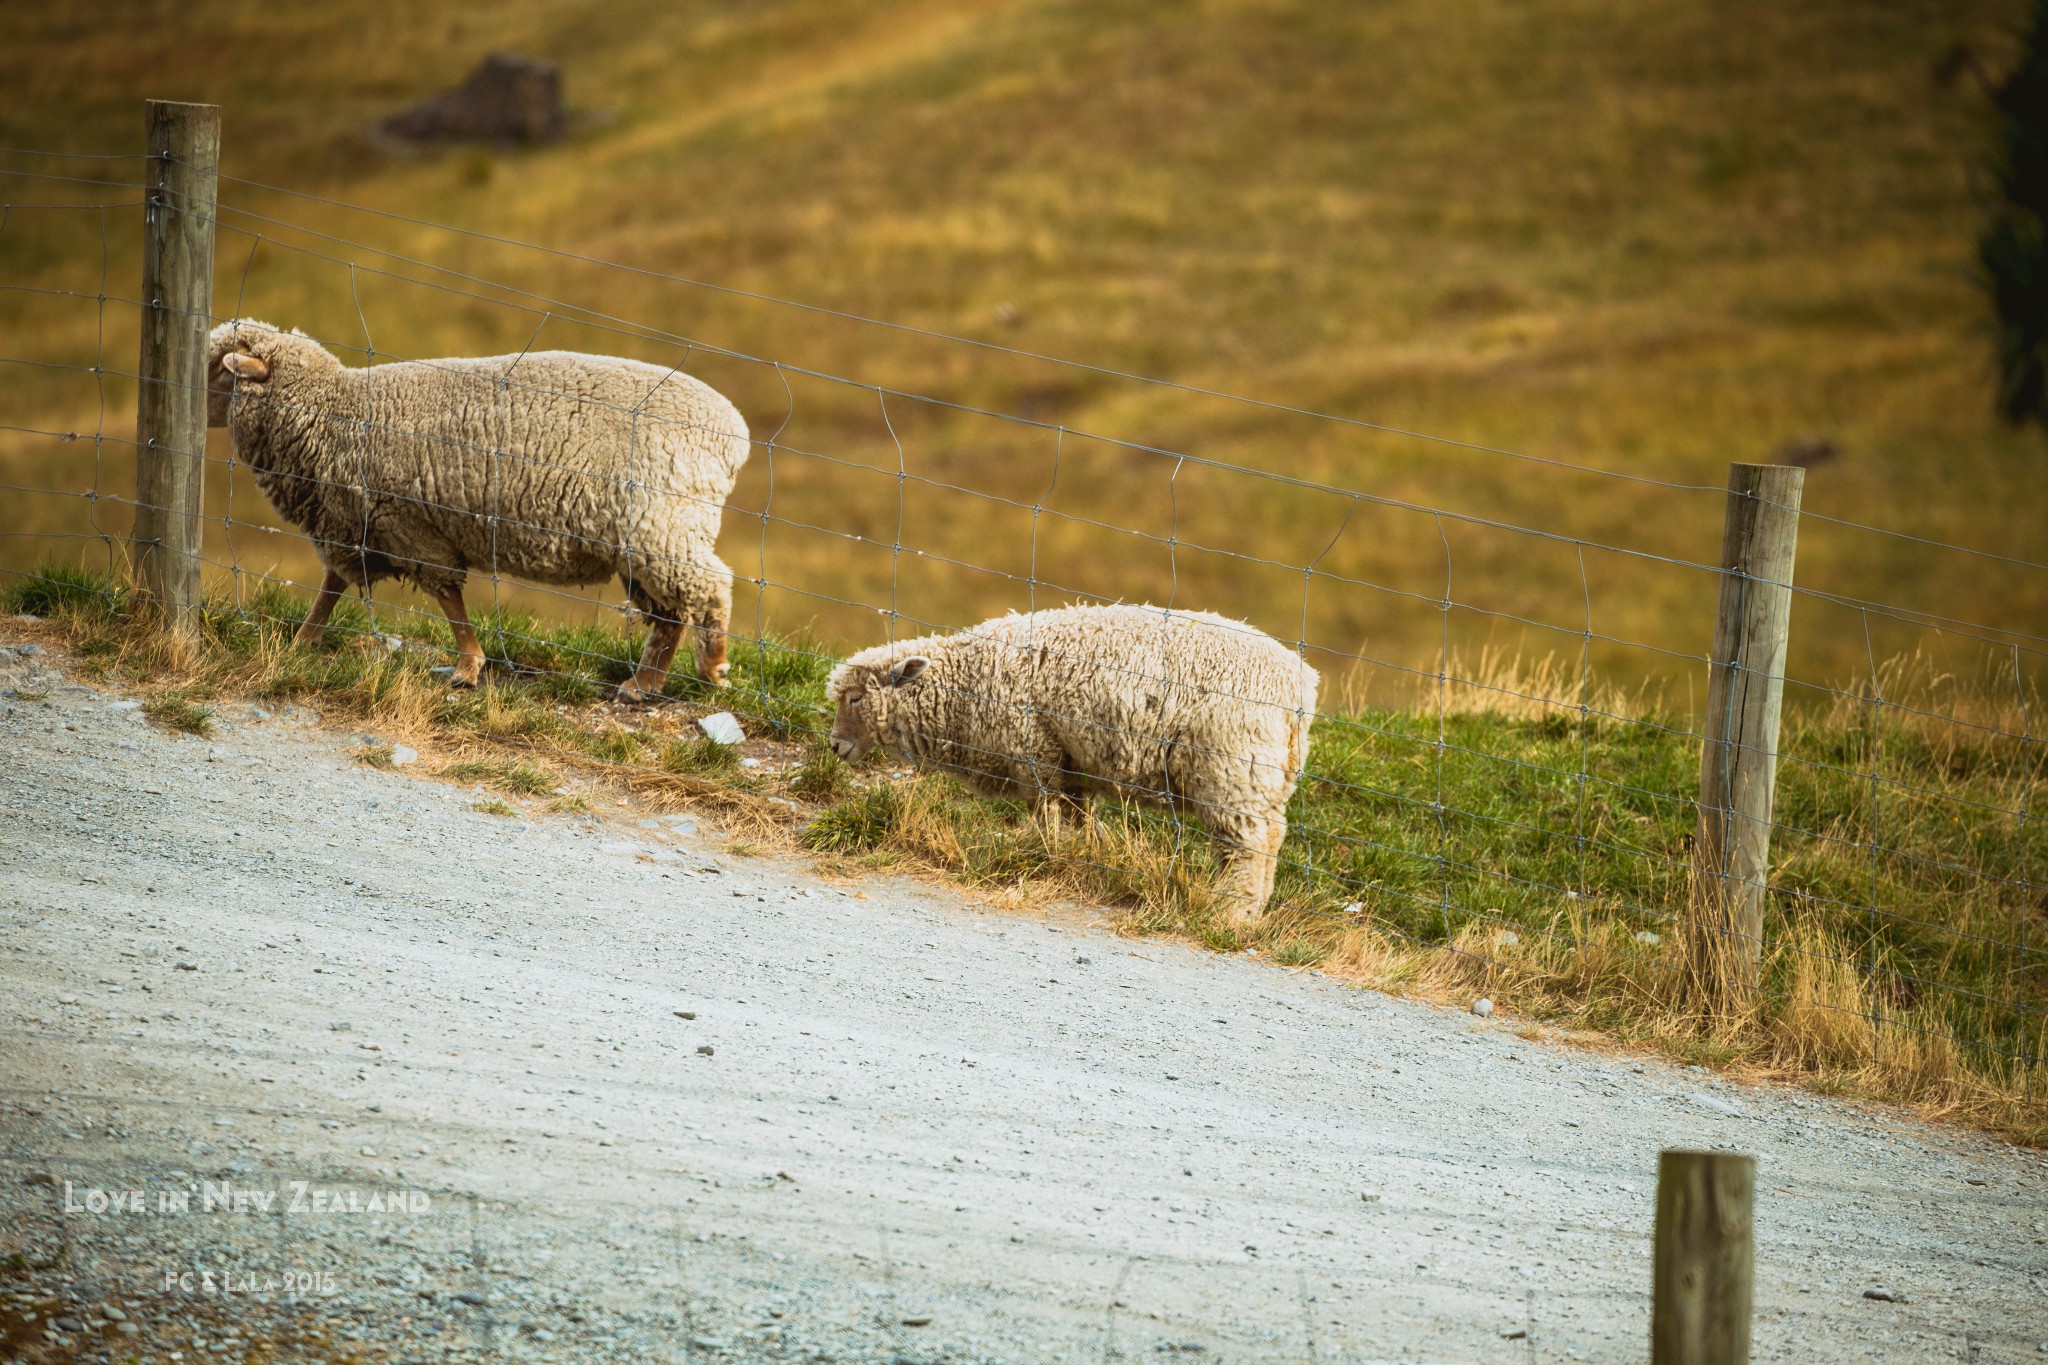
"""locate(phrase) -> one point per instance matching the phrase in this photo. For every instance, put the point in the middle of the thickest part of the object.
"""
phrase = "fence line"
(1326, 862)
(1105, 371)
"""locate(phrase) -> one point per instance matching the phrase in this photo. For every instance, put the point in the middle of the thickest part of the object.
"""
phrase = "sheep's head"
(243, 356)
(863, 703)
(232, 364)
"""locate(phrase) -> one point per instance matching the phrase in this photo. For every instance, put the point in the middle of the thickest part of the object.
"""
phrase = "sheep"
(551, 466)
(1184, 709)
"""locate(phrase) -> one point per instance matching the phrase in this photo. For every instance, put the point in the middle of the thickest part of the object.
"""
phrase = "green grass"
(699, 756)
(1545, 845)
(520, 779)
(821, 776)
(57, 589)
(176, 710)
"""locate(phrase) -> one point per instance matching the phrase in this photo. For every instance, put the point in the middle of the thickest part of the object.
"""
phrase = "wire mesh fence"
(1501, 783)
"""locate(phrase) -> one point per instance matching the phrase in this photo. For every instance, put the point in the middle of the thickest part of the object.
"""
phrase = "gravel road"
(639, 1098)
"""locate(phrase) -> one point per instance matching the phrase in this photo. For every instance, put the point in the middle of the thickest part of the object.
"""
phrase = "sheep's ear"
(245, 367)
(908, 670)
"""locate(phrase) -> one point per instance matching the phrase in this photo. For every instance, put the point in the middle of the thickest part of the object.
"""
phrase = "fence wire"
(1532, 819)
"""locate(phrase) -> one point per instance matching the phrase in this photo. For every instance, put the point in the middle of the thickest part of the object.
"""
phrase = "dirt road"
(639, 1098)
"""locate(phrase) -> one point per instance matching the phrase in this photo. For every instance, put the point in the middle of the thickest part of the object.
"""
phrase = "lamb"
(550, 466)
(1184, 709)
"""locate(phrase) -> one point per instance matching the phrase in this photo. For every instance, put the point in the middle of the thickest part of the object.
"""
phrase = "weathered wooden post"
(1739, 759)
(170, 402)
(1704, 1271)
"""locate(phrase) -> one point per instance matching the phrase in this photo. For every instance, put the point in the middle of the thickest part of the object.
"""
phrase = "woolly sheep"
(551, 466)
(1184, 709)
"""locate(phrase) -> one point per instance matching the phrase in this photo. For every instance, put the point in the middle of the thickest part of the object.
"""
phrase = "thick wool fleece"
(550, 466)
(1187, 709)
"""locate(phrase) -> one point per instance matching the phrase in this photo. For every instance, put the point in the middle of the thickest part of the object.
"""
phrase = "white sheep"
(550, 466)
(1184, 709)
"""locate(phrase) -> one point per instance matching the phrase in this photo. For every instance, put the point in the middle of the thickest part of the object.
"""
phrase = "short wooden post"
(1739, 760)
(1704, 1272)
(170, 404)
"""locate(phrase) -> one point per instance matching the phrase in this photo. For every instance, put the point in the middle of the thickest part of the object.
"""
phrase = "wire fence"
(1529, 812)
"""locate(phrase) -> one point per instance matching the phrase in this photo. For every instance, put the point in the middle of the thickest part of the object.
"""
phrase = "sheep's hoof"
(631, 695)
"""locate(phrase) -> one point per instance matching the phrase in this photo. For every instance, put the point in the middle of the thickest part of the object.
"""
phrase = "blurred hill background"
(1648, 238)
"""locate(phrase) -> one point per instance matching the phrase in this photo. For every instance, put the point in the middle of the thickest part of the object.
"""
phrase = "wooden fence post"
(1739, 759)
(1704, 1273)
(170, 402)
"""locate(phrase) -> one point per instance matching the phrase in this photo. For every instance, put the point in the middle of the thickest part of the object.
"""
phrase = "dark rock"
(509, 100)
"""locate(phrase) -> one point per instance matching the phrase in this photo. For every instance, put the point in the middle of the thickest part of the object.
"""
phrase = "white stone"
(1482, 1007)
(722, 727)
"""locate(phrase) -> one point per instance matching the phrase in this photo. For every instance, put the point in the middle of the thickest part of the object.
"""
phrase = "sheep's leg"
(712, 665)
(469, 655)
(1251, 863)
(1051, 809)
(332, 586)
(652, 674)
(712, 617)
(1053, 806)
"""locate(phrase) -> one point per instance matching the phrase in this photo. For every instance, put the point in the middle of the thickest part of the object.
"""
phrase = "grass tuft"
(822, 776)
(517, 778)
(176, 710)
(700, 757)
(65, 591)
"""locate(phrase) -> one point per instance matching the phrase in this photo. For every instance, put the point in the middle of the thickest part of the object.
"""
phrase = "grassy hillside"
(1649, 238)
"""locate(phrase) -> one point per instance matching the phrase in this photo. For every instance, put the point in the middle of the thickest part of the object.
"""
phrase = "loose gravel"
(444, 1085)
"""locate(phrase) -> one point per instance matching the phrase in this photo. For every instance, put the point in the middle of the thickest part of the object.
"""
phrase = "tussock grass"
(1442, 852)
(176, 710)
(821, 776)
(68, 590)
(699, 756)
(517, 778)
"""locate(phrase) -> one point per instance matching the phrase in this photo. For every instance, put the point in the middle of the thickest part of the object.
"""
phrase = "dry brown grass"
(1647, 237)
